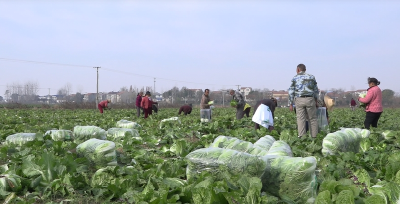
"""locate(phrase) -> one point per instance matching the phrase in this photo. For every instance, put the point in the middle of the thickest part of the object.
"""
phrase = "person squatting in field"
(186, 109)
(373, 101)
(240, 103)
(103, 105)
(271, 107)
(303, 92)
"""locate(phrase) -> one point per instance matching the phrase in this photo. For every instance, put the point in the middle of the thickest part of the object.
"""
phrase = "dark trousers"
(138, 109)
(247, 112)
(371, 119)
(147, 112)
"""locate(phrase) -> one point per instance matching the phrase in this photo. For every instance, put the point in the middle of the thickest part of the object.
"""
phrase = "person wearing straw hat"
(303, 92)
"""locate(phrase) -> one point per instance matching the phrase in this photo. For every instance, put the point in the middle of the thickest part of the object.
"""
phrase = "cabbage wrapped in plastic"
(280, 148)
(120, 133)
(22, 138)
(128, 124)
(83, 133)
(237, 163)
(100, 152)
(172, 120)
(60, 135)
(292, 179)
(345, 140)
(226, 142)
(265, 142)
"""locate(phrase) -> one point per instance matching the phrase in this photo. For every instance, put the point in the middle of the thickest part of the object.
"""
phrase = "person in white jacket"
(264, 116)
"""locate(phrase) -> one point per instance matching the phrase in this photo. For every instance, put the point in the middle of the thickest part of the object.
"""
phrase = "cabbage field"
(81, 156)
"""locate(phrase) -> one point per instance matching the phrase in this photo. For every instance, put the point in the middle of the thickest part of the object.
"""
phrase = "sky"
(198, 44)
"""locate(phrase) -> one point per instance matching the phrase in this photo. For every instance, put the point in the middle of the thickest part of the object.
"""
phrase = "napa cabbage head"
(362, 95)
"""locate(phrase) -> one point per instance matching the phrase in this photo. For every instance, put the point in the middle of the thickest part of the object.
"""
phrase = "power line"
(112, 70)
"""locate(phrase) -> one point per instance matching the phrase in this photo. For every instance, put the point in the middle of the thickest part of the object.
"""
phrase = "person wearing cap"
(146, 104)
(353, 104)
(103, 105)
(303, 92)
(240, 103)
(271, 107)
(373, 101)
(186, 109)
(138, 102)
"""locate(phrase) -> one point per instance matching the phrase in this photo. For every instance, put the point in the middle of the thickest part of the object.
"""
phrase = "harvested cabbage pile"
(60, 135)
(237, 163)
(264, 146)
(100, 152)
(120, 133)
(127, 124)
(83, 133)
(292, 179)
(22, 138)
(345, 140)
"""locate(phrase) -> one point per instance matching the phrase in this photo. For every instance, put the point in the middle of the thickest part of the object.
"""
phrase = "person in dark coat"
(186, 109)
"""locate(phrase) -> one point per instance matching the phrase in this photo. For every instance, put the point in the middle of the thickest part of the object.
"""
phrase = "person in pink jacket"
(373, 101)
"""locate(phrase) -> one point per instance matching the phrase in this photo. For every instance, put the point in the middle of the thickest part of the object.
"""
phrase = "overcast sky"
(212, 44)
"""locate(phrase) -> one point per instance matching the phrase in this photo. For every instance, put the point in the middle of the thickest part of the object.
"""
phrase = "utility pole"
(238, 87)
(154, 87)
(97, 92)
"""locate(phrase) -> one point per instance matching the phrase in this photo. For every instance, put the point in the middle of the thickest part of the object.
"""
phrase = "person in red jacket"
(353, 104)
(146, 104)
(373, 101)
(103, 105)
(138, 101)
(186, 109)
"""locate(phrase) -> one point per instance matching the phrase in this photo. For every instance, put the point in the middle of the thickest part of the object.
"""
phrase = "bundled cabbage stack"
(60, 135)
(172, 121)
(345, 140)
(127, 124)
(237, 163)
(22, 138)
(264, 146)
(83, 133)
(100, 152)
(238, 145)
(120, 133)
(292, 179)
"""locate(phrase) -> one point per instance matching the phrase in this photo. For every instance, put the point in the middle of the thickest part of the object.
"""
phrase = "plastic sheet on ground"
(60, 135)
(127, 124)
(237, 163)
(280, 148)
(100, 152)
(226, 142)
(83, 133)
(22, 138)
(344, 140)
